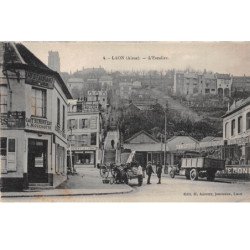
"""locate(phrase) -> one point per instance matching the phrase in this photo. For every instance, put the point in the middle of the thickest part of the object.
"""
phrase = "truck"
(194, 167)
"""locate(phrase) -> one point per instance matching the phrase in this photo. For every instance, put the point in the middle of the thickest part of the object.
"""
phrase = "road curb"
(64, 192)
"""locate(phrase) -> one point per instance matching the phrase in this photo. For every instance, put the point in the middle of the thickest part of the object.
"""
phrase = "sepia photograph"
(124, 124)
(125, 121)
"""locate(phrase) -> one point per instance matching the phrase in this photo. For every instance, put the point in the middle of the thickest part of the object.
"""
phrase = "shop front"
(37, 161)
(83, 157)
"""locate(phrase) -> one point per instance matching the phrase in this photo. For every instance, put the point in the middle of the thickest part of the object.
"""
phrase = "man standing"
(112, 143)
(149, 171)
(139, 175)
(158, 171)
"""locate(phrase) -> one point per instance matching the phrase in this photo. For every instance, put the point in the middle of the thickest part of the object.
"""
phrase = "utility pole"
(165, 139)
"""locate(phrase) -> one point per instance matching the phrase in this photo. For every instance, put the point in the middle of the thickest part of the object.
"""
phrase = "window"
(63, 121)
(84, 123)
(11, 145)
(233, 128)
(226, 130)
(248, 120)
(38, 102)
(239, 124)
(8, 154)
(3, 98)
(83, 140)
(3, 145)
(58, 111)
(93, 139)
(72, 124)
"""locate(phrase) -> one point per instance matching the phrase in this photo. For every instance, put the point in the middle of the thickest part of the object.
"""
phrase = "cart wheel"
(172, 173)
(125, 179)
(194, 174)
(104, 172)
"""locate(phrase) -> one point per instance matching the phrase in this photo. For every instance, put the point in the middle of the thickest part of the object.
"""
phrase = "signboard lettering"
(39, 80)
(38, 123)
(14, 119)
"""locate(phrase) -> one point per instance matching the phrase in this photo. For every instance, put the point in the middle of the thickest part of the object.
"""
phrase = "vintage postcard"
(125, 121)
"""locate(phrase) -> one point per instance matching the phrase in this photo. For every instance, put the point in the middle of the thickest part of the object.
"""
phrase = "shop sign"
(39, 162)
(38, 123)
(83, 148)
(14, 119)
(239, 141)
(39, 80)
(235, 170)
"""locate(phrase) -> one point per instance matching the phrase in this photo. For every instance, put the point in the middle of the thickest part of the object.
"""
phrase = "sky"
(222, 57)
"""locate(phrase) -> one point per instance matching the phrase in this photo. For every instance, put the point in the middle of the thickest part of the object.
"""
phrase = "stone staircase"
(109, 156)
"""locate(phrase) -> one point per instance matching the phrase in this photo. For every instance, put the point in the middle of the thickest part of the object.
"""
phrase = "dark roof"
(141, 132)
(30, 58)
(17, 56)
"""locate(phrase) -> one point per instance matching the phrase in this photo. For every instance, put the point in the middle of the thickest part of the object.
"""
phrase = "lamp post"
(70, 152)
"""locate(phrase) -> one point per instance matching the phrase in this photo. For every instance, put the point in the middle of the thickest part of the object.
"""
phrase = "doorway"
(37, 161)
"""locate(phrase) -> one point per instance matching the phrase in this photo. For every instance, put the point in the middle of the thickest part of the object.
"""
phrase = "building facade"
(193, 83)
(224, 85)
(207, 84)
(236, 131)
(98, 96)
(241, 83)
(84, 133)
(33, 105)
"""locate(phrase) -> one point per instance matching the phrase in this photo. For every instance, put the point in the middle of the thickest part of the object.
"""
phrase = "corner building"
(33, 106)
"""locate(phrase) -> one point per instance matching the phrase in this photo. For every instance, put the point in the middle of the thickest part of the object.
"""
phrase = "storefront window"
(85, 157)
(38, 102)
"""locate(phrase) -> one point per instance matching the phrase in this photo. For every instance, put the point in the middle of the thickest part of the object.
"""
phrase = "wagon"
(196, 167)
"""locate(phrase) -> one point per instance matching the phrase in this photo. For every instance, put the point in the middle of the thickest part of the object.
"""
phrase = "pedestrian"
(158, 171)
(149, 171)
(112, 143)
(139, 175)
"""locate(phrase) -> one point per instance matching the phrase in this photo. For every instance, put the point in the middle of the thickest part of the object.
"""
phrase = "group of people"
(149, 172)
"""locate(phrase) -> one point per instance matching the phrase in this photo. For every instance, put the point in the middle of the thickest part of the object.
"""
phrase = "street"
(171, 190)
